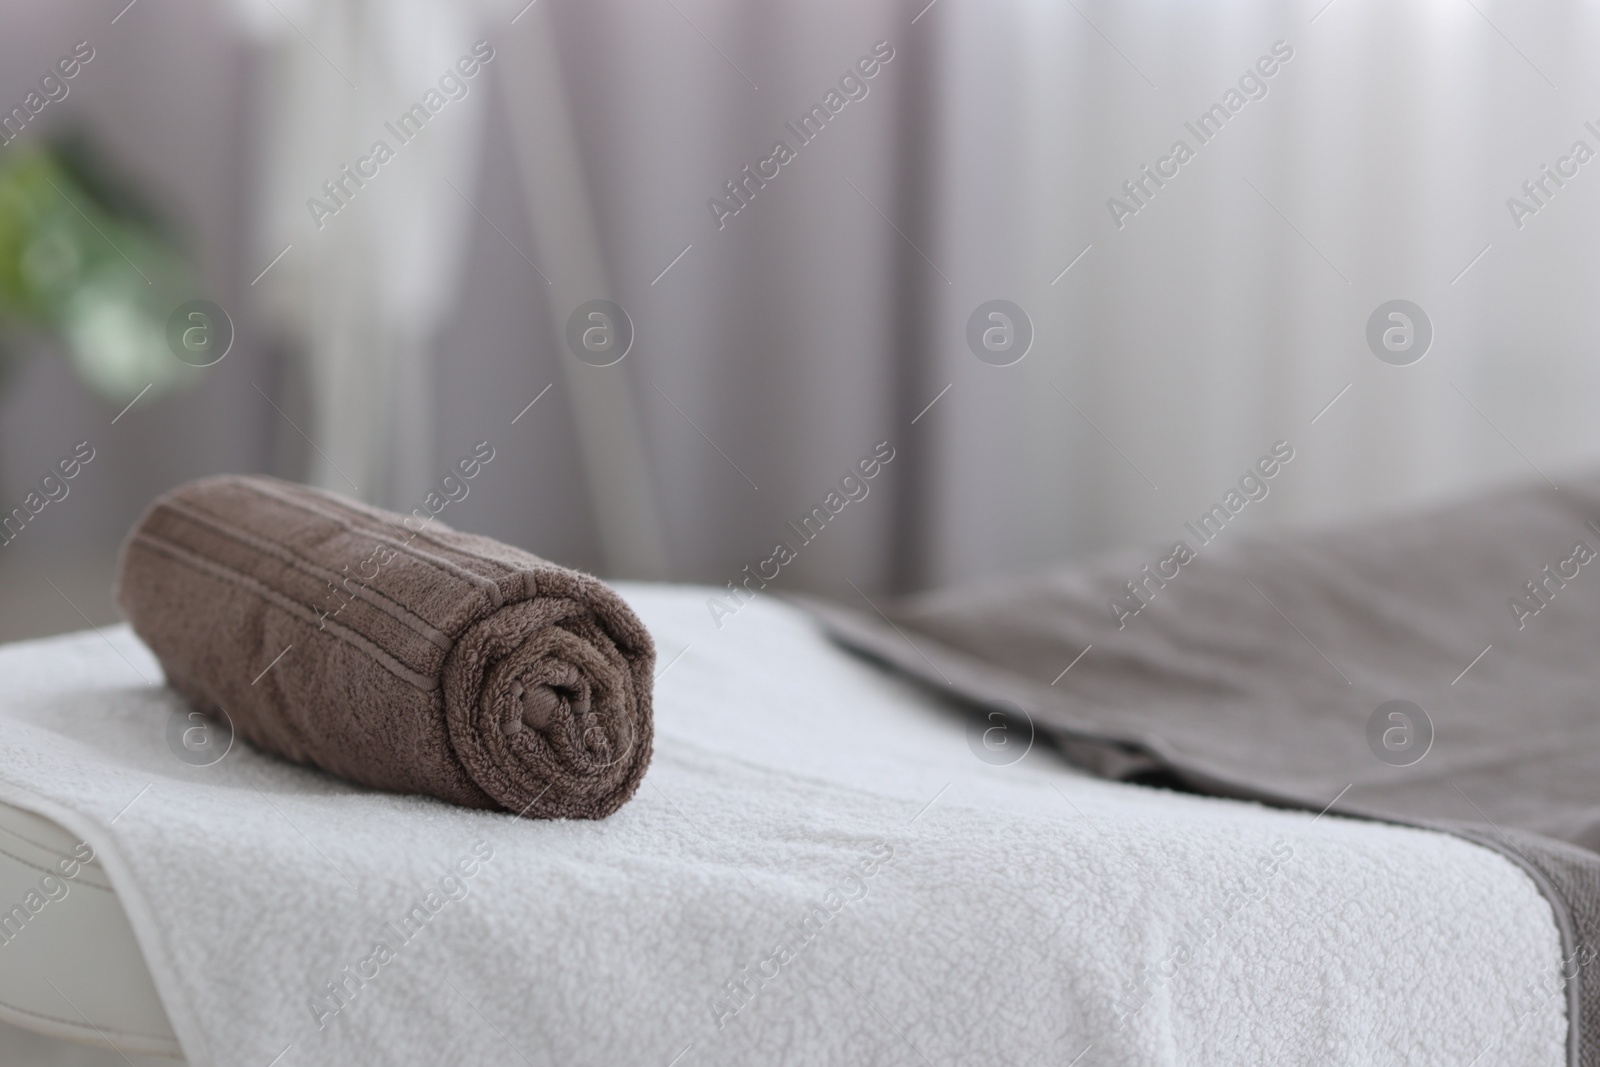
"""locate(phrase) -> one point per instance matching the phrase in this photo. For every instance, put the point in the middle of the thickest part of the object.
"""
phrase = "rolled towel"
(394, 652)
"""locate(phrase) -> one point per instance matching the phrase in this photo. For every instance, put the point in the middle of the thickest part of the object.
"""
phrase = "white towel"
(818, 870)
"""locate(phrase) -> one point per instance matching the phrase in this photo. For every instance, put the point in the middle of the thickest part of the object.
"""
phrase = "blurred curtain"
(1232, 308)
(777, 346)
(363, 292)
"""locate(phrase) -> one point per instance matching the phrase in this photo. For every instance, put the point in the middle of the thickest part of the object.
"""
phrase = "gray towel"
(398, 654)
(1440, 669)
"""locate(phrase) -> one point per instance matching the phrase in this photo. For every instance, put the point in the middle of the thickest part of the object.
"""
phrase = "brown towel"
(414, 658)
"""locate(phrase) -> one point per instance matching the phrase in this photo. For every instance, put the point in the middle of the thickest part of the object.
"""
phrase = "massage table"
(1028, 913)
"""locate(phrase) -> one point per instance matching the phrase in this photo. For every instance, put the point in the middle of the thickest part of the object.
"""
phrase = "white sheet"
(1019, 912)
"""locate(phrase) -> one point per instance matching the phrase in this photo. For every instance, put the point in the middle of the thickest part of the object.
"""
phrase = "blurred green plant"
(83, 260)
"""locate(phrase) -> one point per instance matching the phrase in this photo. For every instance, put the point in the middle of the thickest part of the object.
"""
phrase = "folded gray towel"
(1308, 668)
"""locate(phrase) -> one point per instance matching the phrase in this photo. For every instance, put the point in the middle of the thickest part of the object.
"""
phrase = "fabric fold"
(1434, 669)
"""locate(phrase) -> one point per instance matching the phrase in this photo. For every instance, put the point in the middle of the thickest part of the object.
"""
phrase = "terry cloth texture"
(1265, 669)
(937, 908)
(415, 660)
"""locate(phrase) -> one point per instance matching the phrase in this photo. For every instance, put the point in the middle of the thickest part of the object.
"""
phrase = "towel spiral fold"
(393, 651)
